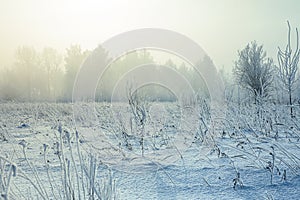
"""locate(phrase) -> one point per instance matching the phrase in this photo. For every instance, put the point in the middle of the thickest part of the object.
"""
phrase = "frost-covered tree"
(288, 65)
(254, 71)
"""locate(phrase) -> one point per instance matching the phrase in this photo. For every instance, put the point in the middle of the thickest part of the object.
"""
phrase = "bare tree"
(73, 60)
(26, 61)
(288, 66)
(51, 61)
(254, 71)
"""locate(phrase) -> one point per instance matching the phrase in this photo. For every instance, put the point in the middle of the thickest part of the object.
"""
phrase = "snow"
(176, 164)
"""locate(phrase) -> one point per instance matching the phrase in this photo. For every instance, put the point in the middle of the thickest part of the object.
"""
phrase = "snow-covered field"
(175, 152)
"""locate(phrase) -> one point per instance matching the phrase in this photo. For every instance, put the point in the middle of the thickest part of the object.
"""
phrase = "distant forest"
(255, 78)
(49, 76)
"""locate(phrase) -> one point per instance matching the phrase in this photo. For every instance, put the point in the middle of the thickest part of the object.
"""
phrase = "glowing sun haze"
(220, 27)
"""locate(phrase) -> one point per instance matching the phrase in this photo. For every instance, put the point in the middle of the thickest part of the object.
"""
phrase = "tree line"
(49, 76)
(41, 76)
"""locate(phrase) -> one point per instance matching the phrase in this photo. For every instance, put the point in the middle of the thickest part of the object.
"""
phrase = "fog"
(220, 27)
(42, 29)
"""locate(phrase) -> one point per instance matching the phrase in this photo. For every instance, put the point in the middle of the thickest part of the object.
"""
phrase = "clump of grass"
(237, 181)
(139, 108)
(271, 165)
(8, 170)
(80, 174)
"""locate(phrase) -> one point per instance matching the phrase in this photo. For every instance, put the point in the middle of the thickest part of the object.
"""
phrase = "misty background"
(49, 76)
(43, 43)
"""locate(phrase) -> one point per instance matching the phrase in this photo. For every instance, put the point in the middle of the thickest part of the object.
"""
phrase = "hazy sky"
(221, 27)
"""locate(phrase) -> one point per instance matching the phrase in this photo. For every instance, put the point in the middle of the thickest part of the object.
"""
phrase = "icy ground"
(182, 159)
